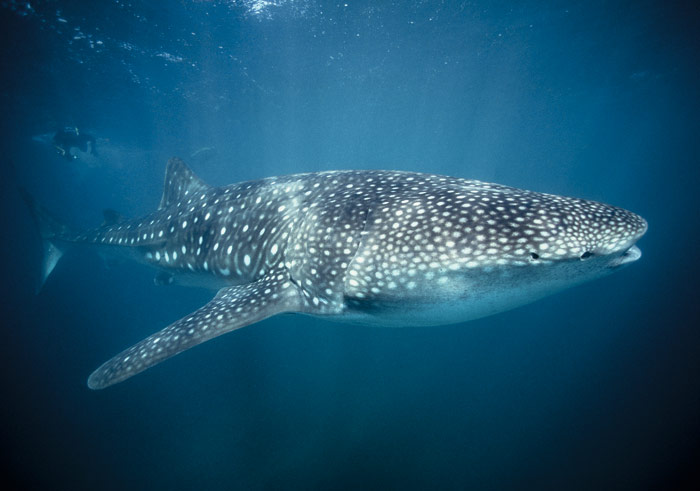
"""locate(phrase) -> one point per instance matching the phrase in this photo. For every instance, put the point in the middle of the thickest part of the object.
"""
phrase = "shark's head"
(593, 236)
(490, 248)
(544, 243)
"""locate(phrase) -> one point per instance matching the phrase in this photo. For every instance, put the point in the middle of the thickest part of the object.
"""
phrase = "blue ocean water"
(593, 388)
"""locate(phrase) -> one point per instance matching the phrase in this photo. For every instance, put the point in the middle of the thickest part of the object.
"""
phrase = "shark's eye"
(534, 255)
(586, 255)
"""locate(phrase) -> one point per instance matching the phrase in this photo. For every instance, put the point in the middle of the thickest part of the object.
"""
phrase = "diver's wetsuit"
(71, 137)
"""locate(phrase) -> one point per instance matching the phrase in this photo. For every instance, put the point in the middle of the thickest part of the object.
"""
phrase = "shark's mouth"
(627, 257)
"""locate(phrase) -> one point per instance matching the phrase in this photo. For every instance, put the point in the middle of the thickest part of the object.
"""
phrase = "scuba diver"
(71, 137)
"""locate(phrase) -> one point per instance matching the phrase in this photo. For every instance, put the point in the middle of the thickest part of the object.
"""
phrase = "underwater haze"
(595, 387)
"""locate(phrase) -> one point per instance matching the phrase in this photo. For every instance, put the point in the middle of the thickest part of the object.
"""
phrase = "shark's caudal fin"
(233, 307)
(50, 231)
(180, 182)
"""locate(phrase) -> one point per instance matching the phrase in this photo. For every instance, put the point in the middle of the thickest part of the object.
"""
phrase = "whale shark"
(383, 248)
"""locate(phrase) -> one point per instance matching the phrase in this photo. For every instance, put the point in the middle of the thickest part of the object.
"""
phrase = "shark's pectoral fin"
(231, 308)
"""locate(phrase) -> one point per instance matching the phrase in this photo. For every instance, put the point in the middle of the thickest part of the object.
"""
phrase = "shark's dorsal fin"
(180, 182)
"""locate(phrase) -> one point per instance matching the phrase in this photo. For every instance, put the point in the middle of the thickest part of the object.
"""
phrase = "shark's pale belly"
(451, 297)
(376, 247)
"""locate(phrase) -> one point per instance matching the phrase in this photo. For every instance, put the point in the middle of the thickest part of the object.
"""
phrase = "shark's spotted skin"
(379, 247)
(231, 308)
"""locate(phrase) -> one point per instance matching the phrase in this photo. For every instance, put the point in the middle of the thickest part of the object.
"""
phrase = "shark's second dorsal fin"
(180, 182)
(111, 217)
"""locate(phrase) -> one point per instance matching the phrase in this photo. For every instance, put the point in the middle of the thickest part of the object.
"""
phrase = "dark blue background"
(594, 388)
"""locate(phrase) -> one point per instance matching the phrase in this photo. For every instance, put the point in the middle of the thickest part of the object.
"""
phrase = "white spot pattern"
(350, 241)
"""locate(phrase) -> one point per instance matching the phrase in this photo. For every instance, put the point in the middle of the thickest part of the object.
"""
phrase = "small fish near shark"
(384, 248)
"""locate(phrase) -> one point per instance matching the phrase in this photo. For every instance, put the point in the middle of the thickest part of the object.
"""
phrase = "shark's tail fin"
(51, 230)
